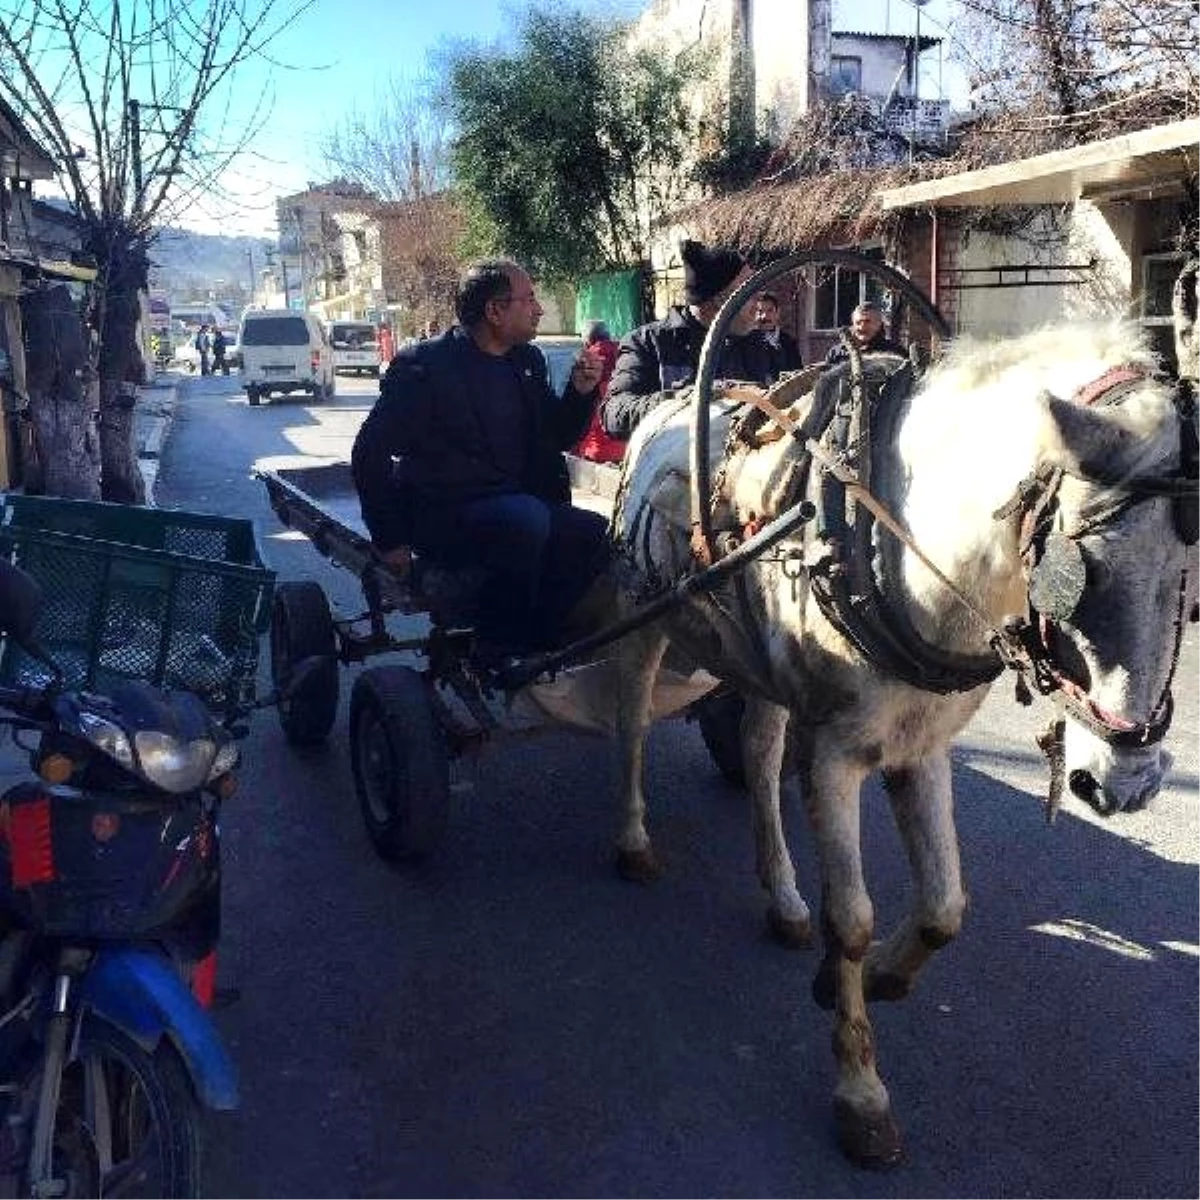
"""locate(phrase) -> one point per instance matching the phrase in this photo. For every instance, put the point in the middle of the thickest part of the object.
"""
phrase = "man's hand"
(585, 374)
(1185, 318)
(399, 558)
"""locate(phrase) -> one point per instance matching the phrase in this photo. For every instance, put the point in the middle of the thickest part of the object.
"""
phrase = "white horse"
(998, 447)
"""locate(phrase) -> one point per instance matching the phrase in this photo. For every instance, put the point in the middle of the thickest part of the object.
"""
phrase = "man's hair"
(869, 306)
(595, 331)
(487, 279)
(769, 297)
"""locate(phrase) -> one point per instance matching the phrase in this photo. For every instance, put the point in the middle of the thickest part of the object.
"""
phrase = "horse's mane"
(977, 425)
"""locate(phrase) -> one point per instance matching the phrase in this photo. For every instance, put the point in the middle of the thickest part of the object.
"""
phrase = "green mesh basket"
(177, 599)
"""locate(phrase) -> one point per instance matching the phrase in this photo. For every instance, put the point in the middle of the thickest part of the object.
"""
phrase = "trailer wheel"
(401, 765)
(720, 719)
(302, 628)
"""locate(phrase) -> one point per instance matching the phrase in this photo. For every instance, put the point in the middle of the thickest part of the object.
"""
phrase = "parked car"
(284, 350)
(560, 352)
(355, 347)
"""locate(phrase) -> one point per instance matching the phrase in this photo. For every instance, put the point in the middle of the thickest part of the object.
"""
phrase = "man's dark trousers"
(542, 558)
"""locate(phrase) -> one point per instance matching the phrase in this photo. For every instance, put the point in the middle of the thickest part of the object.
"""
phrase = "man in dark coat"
(461, 461)
(868, 333)
(783, 351)
(657, 358)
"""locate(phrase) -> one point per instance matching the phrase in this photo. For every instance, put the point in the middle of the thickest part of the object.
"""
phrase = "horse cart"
(410, 725)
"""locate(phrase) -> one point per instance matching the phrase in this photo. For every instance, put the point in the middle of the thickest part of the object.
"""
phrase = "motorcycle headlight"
(107, 737)
(172, 764)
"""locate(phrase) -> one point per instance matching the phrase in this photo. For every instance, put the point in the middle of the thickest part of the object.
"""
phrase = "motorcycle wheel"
(138, 1111)
(401, 765)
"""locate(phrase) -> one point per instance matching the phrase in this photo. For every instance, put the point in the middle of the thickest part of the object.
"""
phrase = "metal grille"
(114, 610)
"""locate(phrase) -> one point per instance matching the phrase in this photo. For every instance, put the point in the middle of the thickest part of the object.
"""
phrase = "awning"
(1148, 164)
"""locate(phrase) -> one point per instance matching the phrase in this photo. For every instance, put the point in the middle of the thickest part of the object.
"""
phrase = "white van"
(284, 350)
(354, 347)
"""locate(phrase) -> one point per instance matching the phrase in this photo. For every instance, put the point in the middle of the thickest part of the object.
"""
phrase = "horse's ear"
(1085, 440)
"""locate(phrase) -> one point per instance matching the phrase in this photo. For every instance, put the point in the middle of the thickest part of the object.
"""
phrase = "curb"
(152, 422)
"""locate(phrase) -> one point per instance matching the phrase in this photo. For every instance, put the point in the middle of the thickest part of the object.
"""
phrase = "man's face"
(864, 325)
(515, 318)
(766, 315)
(743, 320)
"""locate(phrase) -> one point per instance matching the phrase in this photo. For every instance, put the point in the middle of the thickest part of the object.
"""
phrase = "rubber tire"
(165, 1089)
(400, 763)
(302, 627)
(720, 721)
(254, 397)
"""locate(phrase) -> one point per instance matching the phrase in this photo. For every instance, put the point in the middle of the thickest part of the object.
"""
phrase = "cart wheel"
(401, 767)
(302, 627)
(720, 720)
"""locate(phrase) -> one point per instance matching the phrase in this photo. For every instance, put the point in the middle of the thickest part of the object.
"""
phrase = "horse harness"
(1055, 568)
(856, 578)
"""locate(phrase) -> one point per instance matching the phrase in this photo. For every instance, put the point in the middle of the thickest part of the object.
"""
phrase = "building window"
(845, 74)
(1159, 272)
(839, 290)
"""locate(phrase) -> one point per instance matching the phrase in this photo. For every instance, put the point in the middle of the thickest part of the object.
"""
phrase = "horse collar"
(1115, 377)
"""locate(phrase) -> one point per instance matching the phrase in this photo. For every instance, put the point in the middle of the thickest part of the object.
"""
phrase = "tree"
(119, 94)
(1065, 71)
(400, 153)
(571, 149)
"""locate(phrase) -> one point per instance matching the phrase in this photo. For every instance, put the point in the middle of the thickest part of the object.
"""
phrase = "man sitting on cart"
(461, 461)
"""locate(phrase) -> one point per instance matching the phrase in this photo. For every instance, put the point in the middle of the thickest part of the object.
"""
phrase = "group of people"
(213, 349)
(461, 459)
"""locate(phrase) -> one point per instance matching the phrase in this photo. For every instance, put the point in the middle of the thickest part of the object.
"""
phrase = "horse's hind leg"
(867, 1132)
(923, 806)
(638, 657)
(764, 736)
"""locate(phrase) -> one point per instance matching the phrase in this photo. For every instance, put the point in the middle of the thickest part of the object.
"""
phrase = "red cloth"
(597, 445)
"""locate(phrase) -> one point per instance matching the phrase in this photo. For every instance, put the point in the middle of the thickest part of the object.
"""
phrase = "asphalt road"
(512, 1020)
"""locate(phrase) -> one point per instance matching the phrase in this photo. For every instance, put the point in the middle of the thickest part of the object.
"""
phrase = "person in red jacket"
(597, 445)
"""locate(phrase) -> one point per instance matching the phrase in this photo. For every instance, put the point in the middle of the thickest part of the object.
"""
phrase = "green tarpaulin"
(613, 297)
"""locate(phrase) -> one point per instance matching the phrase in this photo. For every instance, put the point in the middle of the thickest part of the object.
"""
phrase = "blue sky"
(338, 56)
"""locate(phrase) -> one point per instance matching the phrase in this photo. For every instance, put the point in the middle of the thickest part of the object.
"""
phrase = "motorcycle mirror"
(20, 602)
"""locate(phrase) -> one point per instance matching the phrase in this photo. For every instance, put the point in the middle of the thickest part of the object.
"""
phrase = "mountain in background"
(199, 266)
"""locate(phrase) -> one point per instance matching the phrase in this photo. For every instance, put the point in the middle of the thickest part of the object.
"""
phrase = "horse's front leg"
(764, 738)
(923, 805)
(867, 1132)
(638, 657)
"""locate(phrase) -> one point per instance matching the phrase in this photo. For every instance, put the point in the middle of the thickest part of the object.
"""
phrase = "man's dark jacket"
(665, 355)
(424, 446)
(784, 357)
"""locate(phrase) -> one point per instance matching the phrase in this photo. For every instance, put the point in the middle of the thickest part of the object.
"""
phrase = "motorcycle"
(109, 916)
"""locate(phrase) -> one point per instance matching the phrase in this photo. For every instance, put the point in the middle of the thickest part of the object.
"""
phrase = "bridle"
(1055, 570)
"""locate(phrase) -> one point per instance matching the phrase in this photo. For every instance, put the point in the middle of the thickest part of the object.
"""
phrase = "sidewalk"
(151, 421)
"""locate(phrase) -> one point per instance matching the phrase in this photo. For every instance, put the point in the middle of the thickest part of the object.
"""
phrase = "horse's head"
(1115, 579)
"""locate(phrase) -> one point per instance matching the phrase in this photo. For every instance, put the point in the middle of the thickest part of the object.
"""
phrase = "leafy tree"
(120, 95)
(571, 148)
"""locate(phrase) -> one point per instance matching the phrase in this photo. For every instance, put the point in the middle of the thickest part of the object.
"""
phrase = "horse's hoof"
(868, 1141)
(638, 866)
(886, 986)
(793, 933)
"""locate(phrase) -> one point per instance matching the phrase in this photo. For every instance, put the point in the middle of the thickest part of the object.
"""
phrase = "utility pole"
(250, 261)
